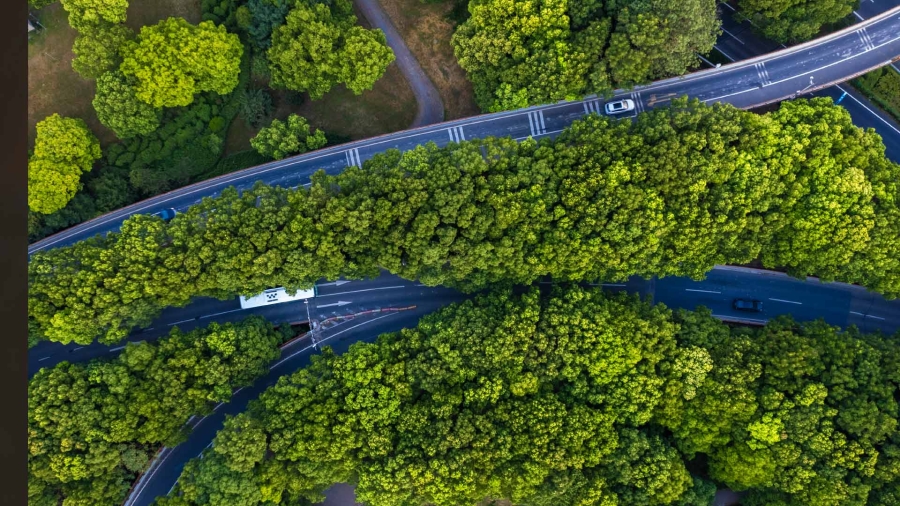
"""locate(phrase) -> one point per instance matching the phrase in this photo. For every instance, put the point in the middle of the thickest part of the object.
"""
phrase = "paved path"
(431, 109)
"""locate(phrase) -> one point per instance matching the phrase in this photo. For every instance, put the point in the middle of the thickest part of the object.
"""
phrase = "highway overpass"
(765, 79)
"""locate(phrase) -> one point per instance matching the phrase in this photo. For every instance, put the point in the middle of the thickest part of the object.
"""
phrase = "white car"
(619, 106)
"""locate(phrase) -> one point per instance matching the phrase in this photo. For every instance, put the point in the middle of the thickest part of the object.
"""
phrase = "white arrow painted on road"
(335, 283)
(341, 303)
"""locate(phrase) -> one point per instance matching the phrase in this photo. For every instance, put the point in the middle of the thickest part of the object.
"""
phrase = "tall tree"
(282, 139)
(63, 149)
(119, 108)
(795, 20)
(97, 50)
(320, 46)
(173, 60)
(87, 15)
(526, 53)
(93, 427)
(673, 194)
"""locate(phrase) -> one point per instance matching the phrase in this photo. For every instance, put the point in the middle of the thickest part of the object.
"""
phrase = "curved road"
(739, 41)
(431, 108)
(744, 84)
(780, 295)
(770, 78)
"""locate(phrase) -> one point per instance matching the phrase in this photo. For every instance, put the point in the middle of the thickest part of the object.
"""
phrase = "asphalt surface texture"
(786, 74)
(739, 41)
(744, 84)
(428, 100)
(780, 294)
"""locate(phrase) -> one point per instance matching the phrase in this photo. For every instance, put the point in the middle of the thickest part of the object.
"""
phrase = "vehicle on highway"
(619, 106)
(166, 214)
(747, 305)
(275, 296)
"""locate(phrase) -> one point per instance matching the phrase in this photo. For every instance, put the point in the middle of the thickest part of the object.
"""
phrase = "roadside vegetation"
(426, 28)
(171, 90)
(526, 53)
(93, 427)
(673, 193)
(576, 398)
(882, 86)
(793, 21)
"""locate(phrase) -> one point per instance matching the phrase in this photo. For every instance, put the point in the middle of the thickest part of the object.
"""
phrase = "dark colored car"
(747, 305)
(166, 214)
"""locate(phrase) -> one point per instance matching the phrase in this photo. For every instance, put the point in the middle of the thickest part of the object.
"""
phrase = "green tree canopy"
(89, 15)
(92, 427)
(173, 60)
(64, 148)
(97, 51)
(282, 139)
(675, 193)
(119, 108)
(795, 20)
(320, 45)
(574, 398)
(525, 53)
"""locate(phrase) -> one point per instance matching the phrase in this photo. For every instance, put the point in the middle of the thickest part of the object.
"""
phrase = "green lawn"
(388, 107)
(53, 87)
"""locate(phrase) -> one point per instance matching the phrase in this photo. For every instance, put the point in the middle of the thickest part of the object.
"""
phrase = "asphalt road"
(773, 77)
(739, 42)
(847, 305)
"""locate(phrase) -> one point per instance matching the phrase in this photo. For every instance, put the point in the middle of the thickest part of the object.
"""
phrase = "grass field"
(427, 28)
(388, 107)
(54, 87)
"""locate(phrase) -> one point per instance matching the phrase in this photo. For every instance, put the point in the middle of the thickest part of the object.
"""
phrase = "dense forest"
(674, 193)
(576, 398)
(93, 427)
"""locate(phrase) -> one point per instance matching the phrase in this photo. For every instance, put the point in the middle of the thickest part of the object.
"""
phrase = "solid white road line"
(729, 317)
(702, 291)
(886, 122)
(787, 301)
(292, 355)
(733, 35)
(360, 291)
(223, 312)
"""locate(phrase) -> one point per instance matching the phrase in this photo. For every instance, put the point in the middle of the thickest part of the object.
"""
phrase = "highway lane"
(781, 295)
(739, 41)
(846, 305)
(773, 77)
(345, 297)
(159, 480)
(837, 303)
